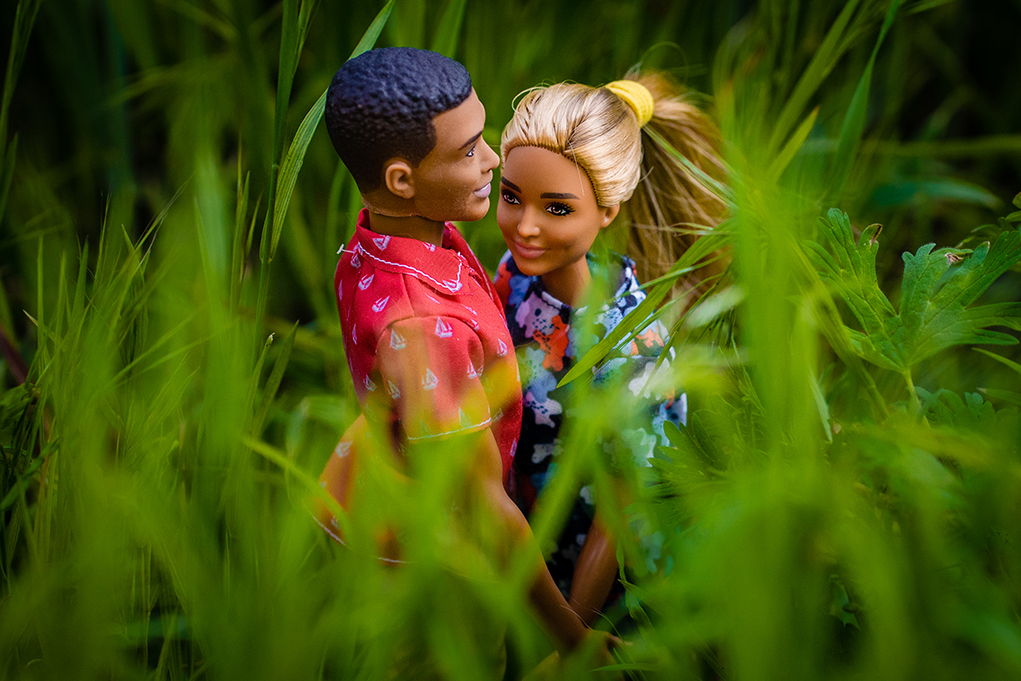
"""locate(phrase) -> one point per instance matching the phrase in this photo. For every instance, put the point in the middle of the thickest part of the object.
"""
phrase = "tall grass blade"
(269, 392)
(7, 163)
(292, 166)
(241, 242)
(793, 145)
(408, 26)
(299, 145)
(854, 119)
(999, 358)
(641, 315)
(978, 147)
(24, 20)
(831, 49)
(294, 30)
(371, 34)
(721, 190)
(449, 30)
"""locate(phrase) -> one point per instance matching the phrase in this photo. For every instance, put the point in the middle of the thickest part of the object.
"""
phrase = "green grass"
(837, 506)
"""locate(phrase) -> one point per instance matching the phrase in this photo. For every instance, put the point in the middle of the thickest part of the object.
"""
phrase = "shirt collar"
(445, 268)
(627, 281)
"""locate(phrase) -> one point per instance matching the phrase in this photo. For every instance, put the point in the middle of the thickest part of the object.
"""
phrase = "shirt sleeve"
(429, 371)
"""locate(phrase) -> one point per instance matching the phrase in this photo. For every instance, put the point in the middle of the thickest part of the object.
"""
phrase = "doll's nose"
(528, 226)
(490, 159)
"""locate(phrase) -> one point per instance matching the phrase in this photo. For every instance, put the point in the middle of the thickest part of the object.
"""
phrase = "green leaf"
(840, 602)
(852, 270)
(7, 174)
(310, 484)
(253, 385)
(445, 40)
(24, 480)
(292, 39)
(854, 120)
(292, 166)
(933, 313)
(273, 382)
(373, 31)
(1005, 395)
(295, 157)
(1003, 360)
(713, 306)
(24, 20)
(825, 57)
(790, 149)
(720, 189)
(918, 192)
(979, 271)
(822, 407)
(705, 442)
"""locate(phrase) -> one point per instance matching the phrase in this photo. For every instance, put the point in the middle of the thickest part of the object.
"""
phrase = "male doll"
(424, 331)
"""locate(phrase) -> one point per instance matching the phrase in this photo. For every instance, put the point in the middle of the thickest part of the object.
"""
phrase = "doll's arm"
(594, 572)
(487, 475)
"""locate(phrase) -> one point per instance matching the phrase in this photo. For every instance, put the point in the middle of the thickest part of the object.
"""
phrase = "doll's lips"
(527, 252)
(483, 191)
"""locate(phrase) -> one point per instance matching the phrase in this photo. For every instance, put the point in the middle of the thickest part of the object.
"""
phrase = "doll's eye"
(560, 209)
(509, 198)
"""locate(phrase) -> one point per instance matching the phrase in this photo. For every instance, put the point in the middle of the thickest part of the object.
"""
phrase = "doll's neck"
(569, 284)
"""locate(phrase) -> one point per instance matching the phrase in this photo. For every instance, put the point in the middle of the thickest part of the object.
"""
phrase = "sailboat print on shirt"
(443, 329)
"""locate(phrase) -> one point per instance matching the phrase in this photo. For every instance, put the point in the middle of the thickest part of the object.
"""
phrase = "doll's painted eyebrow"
(545, 195)
(471, 141)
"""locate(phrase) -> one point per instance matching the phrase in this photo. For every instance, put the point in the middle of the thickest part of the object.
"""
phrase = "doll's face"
(453, 181)
(547, 211)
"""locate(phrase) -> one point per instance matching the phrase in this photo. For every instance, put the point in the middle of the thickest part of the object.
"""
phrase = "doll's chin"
(528, 268)
(472, 211)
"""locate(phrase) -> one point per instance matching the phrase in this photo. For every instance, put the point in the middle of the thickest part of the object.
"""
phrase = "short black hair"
(381, 105)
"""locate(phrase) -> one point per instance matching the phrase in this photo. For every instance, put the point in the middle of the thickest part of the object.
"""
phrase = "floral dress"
(546, 347)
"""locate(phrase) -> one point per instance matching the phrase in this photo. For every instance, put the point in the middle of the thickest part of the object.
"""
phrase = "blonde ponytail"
(670, 202)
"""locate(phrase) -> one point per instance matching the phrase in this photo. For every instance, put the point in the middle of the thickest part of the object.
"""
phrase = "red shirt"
(426, 338)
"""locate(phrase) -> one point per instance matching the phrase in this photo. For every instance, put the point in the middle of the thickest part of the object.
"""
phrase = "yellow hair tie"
(636, 95)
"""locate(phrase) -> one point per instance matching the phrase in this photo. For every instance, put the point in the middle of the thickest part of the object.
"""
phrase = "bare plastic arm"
(594, 572)
(491, 505)
(560, 620)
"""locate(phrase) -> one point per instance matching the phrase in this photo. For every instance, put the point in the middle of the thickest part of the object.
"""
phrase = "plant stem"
(916, 406)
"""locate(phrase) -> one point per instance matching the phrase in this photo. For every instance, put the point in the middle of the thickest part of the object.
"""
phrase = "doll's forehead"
(459, 128)
(545, 172)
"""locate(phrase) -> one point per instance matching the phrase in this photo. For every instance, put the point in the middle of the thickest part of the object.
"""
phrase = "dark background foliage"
(820, 516)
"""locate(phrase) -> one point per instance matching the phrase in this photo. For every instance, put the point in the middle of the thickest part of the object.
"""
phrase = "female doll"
(572, 155)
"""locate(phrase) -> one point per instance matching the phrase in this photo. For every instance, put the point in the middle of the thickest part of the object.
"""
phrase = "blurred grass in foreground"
(821, 515)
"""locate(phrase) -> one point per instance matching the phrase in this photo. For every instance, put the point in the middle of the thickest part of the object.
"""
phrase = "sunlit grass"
(820, 516)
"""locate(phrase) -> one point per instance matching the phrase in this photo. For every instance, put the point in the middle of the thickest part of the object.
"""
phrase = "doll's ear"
(398, 177)
(609, 213)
